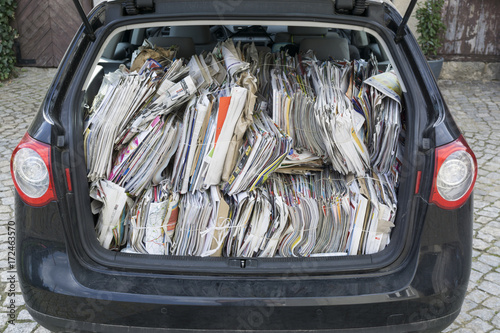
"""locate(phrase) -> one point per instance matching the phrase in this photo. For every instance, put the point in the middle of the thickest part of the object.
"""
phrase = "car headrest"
(186, 44)
(337, 48)
(309, 31)
(199, 33)
(360, 39)
(332, 34)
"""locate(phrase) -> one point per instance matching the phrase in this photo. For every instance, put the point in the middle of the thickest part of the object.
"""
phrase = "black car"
(71, 282)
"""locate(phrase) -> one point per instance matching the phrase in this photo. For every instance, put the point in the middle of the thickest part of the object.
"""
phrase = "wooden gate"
(45, 30)
(473, 30)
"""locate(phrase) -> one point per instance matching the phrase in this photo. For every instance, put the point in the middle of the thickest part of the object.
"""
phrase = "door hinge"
(354, 7)
(134, 7)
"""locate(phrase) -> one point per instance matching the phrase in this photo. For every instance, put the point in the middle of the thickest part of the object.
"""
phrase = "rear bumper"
(98, 311)
(424, 295)
(56, 323)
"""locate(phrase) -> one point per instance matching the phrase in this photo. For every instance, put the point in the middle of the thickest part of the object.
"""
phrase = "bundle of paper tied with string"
(179, 153)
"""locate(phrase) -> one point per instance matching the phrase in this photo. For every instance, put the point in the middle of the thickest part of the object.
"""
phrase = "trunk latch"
(243, 263)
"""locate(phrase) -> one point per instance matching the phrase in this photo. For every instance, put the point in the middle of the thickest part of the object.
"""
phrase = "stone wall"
(470, 71)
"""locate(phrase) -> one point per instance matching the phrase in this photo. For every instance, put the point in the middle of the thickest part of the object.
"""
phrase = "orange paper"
(221, 116)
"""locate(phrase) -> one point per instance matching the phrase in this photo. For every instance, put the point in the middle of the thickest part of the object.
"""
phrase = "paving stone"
(496, 320)
(463, 319)
(479, 326)
(452, 327)
(8, 288)
(24, 315)
(487, 213)
(5, 194)
(485, 236)
(484, 314)
(475, 253)
(483, 219)
(493, 277)
(474, 277)
(477, 296)
(8, 201)
(494, 210)
(4, 317)
(18, 300)
(490, 230)
(464, 330)
(489, 259)
(4, 264)
(480, 245)
(479, 205)
(20, 327)
(492, 303)
(469, 305)
(7, 182)
(481, 267)
(489, 287)
(494, 250)
(41, 329)
(5, 209)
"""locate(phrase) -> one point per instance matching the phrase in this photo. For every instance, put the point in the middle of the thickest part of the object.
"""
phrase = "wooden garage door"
(45, 30)
(473, 30)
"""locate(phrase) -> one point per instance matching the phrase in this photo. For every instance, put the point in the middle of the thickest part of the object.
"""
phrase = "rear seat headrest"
(360, 39)
(337, 48)
(199, 33)
(309, 31)
(186, 44)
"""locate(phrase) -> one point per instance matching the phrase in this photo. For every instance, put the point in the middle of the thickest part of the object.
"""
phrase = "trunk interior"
(298, 196)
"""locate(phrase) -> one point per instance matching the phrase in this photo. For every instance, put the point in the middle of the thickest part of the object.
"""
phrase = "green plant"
(430, 26)
(7, 35)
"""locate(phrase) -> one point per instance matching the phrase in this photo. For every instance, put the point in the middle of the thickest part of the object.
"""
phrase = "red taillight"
(455, 173)
(31, 172)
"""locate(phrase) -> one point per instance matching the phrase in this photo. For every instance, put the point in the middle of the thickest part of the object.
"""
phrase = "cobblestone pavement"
(475, 105)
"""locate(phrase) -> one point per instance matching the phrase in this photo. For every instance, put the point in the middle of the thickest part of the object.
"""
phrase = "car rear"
(417, 283)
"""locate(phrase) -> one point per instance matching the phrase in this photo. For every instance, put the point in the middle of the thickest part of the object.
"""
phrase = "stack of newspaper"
(244, 154)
